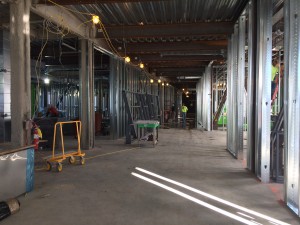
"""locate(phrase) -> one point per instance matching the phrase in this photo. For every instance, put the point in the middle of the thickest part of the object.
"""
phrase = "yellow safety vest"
(184, 109)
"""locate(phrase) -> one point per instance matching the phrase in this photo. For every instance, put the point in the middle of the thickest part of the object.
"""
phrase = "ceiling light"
(141, 65)
(151, 81)
(187, 96)
(159, 81)
(127, 59)
(167, 84)
(96, 19)
(46, 80)
(182, 89)
(187, 92)
(163, 84)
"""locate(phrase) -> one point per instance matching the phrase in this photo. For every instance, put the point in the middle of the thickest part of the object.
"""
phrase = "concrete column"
(20, 71)
(87, 112)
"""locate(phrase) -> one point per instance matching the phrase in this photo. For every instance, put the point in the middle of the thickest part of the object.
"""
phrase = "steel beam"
(71, 23)
(184, 64)
(85, 2)
(157, 57)
(182, 70)
(292, 104)
(263, 94)
(169, 30)
(176, 48)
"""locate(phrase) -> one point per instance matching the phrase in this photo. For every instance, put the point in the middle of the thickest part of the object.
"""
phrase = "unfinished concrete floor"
(104, 191)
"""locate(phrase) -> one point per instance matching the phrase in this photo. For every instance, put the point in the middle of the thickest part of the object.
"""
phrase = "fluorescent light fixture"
(213, 197)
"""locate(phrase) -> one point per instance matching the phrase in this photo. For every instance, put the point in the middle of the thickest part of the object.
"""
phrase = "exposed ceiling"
(173, 38)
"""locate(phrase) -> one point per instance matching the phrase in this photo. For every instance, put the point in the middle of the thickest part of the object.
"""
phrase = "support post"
(292, 104)
(251, 100)
(241, 86)
(263, 92)
(232, 129)
(87, 112)
(20, 72)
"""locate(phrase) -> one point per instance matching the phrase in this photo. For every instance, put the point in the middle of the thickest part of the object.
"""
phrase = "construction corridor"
(106, 190)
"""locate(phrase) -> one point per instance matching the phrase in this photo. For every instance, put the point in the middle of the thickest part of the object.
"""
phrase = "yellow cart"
(58, 158)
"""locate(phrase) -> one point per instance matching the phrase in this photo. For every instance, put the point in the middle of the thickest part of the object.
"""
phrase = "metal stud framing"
(241, 85)
(251, 85)
(232, 87)
(136, 84)
(263, 92)
(292, 103)
(204, 100)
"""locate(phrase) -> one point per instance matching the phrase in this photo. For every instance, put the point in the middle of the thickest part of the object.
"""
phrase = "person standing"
(184, 110)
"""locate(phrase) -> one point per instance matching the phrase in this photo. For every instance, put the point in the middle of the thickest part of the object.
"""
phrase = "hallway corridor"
(104, 190)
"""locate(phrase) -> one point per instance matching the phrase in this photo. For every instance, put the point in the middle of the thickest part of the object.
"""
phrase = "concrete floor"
(105, 192)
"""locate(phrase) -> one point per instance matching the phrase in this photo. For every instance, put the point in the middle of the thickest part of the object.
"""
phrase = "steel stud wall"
(241, 84)
(251, 85)
(232, 85)
(130, 78)
(292, 103)
(203, 89)
(263, 92)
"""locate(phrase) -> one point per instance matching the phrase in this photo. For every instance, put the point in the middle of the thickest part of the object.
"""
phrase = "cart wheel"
(72, 160)
(82, 160)
(58, 167)
(48, 166)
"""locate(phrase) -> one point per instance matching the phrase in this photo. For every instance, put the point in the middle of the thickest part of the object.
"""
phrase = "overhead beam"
(85, 2)
(182, 74)
(175, 70)
(169, 30)
(202, 47)
(178, 64)
(159, 58)
(71, 23)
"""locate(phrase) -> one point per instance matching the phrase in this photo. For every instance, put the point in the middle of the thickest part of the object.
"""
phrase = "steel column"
(87, 114)
(232, 129)
(252, 24)
(229, 93)
(241, 85)
(114, 97)
(292, 103)
(263, 93)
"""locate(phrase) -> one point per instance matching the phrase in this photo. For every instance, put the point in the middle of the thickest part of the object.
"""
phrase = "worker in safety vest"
(184, 110)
